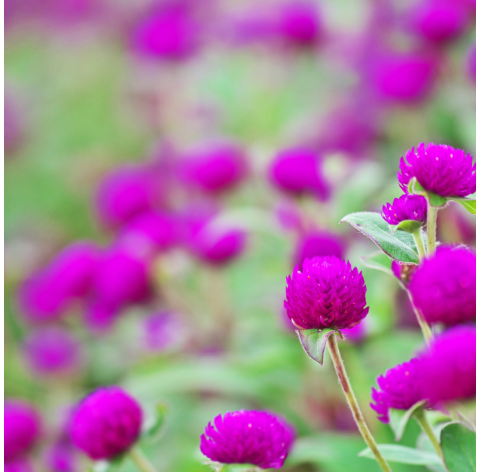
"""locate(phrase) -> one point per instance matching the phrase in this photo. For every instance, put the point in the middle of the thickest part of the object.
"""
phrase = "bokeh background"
(109, 107)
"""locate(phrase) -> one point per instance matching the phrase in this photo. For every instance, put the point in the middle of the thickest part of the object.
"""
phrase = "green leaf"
(314, 341)
(398, 419)
(459, 448)
(154, 431)
(432, 198)
(379, 261)
(409, 226)
(467, 203)
(398, 245)
(403, 454)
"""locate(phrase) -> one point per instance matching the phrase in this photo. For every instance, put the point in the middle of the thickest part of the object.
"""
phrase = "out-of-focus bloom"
(215, 167)
(127, 192)
(12, 129)
(288, 215)
(248, 437)
(438, 21)
(106, 423)
(439, 169)
(319, 243)
(18, 465)
(444, 286)
(326, 294)
(403, 272)
(161, 331)
(22, 427)
(447, 369)
(356, 334)
(399, 388)
(100, 316)
(60, 457)
(298, 171)
(406, 207)
(52, 350)
(471, 63)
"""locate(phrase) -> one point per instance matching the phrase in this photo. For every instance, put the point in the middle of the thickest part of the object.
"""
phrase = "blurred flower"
(403, 272)
(248, 437)
(399, 388)
(60, 457)
(319, 243)
(444, 286)
(406, 207)
(288, 215)
(298, 171)
(357, 334)
(99, 316)
(326, 294)
(12, 125)
(439, 169)
(161, 331)
(52, 350)
(18, 465)
(106, 423)
(447, 368)
(471, 63)
(22, 427)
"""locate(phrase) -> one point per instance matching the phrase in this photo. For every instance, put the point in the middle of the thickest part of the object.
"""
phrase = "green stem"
(420, 416)
(139, 459)
(418, 239)
(352, 402)
(426, 330)
(431, 228)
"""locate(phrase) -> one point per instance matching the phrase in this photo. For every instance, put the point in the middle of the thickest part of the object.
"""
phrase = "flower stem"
(352, 402)
(139, 459)
(419, 244)
(426, 330)
(431, 228)
(420, 416)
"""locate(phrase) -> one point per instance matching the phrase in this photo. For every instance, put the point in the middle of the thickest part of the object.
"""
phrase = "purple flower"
(21, 428)
(399, 388)
(106, 423)
(326, 294)
(356, 334)
(100, 316)
(471, 63)
(443, 288)
(319, 243)
(439, 169)
(448, 368)
(161, 331)
(60, 457)
(248, 437)
(406, 207)
(403, 272)
(52, 350)
(18, 465)
(298, 171)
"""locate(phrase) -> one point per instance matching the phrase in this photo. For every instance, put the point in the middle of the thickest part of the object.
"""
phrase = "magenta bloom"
(298, 171)
(403, 272)
(471, 63)
(60, 457)
(439, 169)
(215, 167)
(448, 368)
(248, 437)
(100, 316)
(21, 429)
(357, 334)
(326, 294)
(161, 331)
(52, 350)
(399, 388)
(406, 207)
(319, 243)
(106, 423)
(18, 465)
(444, 286)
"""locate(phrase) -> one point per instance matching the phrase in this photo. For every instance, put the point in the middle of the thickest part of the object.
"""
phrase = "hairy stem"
(352, 402)
(420, 416)
(139, 459)
(419, 244)
(431, 228)
(426, 330)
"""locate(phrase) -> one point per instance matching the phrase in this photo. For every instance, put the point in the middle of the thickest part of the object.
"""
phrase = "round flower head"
(21, 428)
(403, 272)
(297, 171)
(100, 316)
(444, 286)
(326, 294)
(319, 243)
(471, 63)
(161, 331)
(439, 169)
(399, 388)
(448, 368)
(406, 207)
(52, 350)
(106, 423)
(248, 437)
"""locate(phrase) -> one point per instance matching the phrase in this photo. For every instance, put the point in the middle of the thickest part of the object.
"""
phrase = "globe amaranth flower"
(439, 169)
(403, 272)
(106, 423)
(448, 367)
(327, 293)
(22, 426)
(298, 171)
(248, 437)
(399, 388)
(319, 243)
(357, 334)
(406, 207)
(443, 288)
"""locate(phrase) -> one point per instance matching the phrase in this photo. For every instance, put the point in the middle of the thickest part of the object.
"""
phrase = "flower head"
(21, 428)
(319, 243)
(439, 169)
(106, 423)
(399, 388)
(448, 367)
(406, 207)
(443, 288)
(248, 437)
(326, 294)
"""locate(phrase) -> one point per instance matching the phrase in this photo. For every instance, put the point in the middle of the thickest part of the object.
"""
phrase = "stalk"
(419, 244)
(426, 330)
(353, 405)
(420, 416)
(431, 228)
(139, 459)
